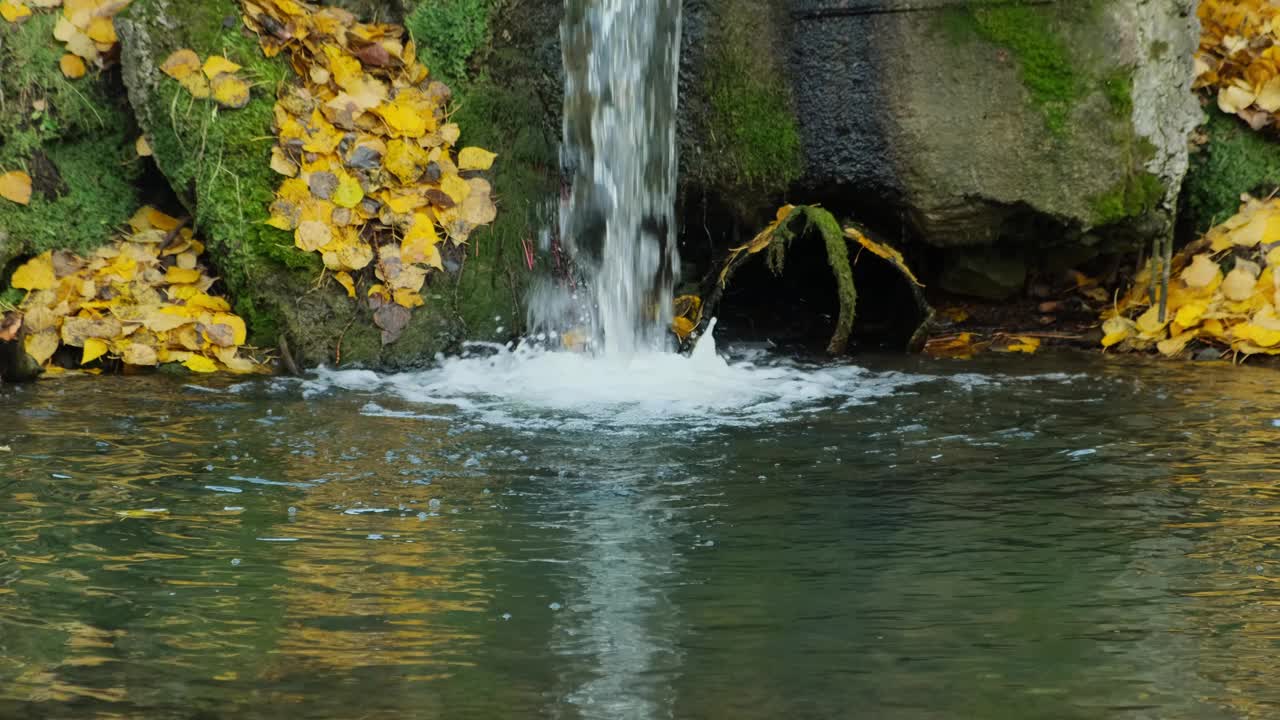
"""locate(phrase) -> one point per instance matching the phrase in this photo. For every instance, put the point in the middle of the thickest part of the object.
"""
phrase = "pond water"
(1047, 537)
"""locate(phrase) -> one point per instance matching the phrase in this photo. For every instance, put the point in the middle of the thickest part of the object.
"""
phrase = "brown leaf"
(392, 319)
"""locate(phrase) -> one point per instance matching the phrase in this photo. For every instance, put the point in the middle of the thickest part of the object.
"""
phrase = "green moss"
(1117, 87)
(75, 138)
(508, 119)
(752, 129)
(1136, 195)
(448, 33)
(1048, 71)
(1236, 160)
(96, 196)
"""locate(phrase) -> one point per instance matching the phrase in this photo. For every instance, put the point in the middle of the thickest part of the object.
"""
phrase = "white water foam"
(531, 388)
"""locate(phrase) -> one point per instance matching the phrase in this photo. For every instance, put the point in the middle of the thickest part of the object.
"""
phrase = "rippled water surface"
(1050, 538)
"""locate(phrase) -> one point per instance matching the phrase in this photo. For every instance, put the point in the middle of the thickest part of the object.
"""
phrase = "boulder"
(977, 121)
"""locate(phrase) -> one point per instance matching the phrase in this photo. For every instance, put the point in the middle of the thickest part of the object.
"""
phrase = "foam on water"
(533, 388)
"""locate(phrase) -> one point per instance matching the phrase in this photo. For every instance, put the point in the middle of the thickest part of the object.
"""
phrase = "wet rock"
(971, 118)
(989, 273)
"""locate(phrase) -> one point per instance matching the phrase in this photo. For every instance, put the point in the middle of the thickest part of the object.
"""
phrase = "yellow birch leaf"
(419, 241)
(15, 186)
(1149, 324)
(94, 348)
(405, 297)
(1269, 95)
(72, 66)
(142, 147)
(180, 64)
(101, 30)
(682, 327)
(344, 279)
(474, 158)
(1232, 99)
(282, 164)
(1201, 272)
(14, 12)
(179, 276)
(455, 187)
(41, 346)
(312, 235)
(1174, 345)
(229, 91)
(216, 65)
(196, 85)
(35, 274)
(83, 45)
(1189, 315)
(1116, 330)
(200, 364)
(139, 354)
(1239, 283)
(1024, 344)
(349, 193)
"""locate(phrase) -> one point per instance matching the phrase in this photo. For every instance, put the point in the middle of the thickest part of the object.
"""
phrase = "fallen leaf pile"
(372, 182)
(1224, 292)
(1239, 57)
(964, 345)
(85, 27)
(143, 300)
(215, 77)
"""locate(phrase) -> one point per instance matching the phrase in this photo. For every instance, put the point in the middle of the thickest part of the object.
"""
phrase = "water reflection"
(1068, 539)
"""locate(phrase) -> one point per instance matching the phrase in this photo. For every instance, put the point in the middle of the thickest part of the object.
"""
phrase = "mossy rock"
(75, 138)
(218, 162)
(739, 135)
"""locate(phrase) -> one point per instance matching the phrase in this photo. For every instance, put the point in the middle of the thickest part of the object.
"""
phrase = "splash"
(621, 62)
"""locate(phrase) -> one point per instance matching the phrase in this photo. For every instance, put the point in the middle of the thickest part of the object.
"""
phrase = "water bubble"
(506, 616)
(434, 503)
(486, 491)
(235, 561)
(422, 516)
(554, 606)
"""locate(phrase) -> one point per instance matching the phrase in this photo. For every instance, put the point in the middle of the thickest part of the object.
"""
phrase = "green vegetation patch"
(1235, 160)
(1136, 195)
(75, 139)
(448, 34)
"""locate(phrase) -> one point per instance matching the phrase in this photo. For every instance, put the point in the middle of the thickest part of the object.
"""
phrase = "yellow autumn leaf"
(14, 12)
(349, 193)
(344, 279)
(177, 275)
(41, 346)
(35, 274)
(229, 91)
(15, 186)
(101, 30)
(682, 327)
(216, 65)
(474, 158)
(884, 251)
(180, 64)
(72, 66)
(1188, 315)
(1116, 330)
(405, 297)
(1023, 344)
(200, 364)
(142, 147)
(94, 348)
(1201, 272)
(312, 235)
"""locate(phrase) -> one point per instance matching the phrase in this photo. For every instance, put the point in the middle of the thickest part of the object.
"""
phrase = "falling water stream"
(621, 62)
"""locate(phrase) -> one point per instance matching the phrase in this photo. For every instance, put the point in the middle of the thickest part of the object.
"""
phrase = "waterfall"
(621, 60)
